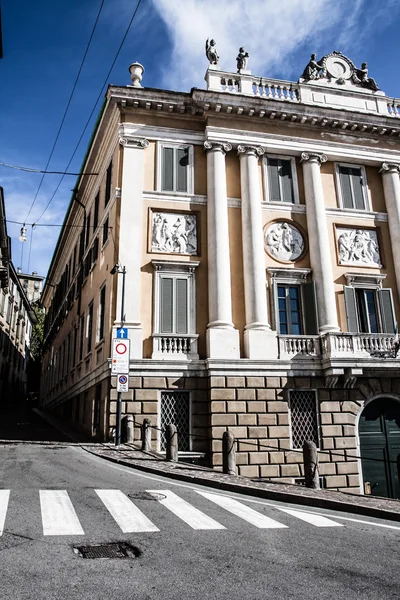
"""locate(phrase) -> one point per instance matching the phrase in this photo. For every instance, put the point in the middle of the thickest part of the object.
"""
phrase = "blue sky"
(44, 42)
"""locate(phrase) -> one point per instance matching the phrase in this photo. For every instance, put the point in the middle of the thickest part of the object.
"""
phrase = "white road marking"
(128, 516)
(189, 514)
(4, 498)
(243, 512)
(161, 479)
(312, 518)
(58, 514)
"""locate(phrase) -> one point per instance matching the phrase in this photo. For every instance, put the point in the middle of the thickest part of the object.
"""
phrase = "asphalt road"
(53, 506)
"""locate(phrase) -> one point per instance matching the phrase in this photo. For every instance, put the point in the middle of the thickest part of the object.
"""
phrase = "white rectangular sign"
(120, 356)
(122, 383)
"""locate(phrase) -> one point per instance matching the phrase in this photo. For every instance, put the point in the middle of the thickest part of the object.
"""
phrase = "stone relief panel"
(173, 233)
(284, 241)
(358, 247)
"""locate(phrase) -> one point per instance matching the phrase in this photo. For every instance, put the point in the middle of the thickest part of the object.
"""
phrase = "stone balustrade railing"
(174, 346)
(299, 346)
(362, 345)
(274, 89)
(394, 107)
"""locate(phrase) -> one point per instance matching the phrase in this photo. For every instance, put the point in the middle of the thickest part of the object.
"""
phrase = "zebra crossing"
(59, 517)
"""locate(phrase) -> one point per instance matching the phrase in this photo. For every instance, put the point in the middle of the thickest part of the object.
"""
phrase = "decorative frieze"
(358, 247)
(174, 233)
(283, 241)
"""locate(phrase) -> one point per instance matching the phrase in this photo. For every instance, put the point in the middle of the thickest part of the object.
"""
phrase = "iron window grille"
(175, 410)
(304, 417)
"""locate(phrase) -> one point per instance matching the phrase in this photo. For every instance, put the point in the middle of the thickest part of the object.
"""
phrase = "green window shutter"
(347, 196)
(358, 188)
(273, 180)
(310, 308)
(351, 309)
(387, 312)
(167, 175)
(166, 304)
(181, 306)
(286, 181)
(182, 165)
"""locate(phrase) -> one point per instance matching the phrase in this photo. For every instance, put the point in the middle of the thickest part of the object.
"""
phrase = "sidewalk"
(130, 455)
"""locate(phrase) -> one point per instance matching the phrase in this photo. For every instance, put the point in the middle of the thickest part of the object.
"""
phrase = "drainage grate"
(146, 496)
(113, 550)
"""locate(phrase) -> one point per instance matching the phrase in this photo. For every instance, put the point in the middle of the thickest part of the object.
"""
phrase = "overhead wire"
(31, 170)
(67, 108)
(94, 107)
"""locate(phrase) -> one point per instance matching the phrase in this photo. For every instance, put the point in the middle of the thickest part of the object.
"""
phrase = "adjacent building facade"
(16, 321)
(258, 222)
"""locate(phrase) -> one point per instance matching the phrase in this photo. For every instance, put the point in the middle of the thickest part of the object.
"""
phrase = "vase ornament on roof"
(338, 69)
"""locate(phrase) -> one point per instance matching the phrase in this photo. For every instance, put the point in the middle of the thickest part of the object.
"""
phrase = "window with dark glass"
(175, 169)
(81, 336)
(105, 231)
(87, 233)
(96, 210)
(89, 327)
(280, 180)
(107, 194)
(352, 187)
(369, 310)
(102, 307)
(289, 308)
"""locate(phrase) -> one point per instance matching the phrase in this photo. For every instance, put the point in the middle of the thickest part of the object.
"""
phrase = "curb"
(281, 496)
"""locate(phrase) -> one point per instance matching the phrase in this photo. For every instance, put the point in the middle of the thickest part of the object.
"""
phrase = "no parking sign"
(122, 383)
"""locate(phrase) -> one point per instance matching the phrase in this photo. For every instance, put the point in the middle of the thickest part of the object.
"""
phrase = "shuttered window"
(369, 311)
(173, 305)
(280, 180)
(296, 309)
(175, 163)
(107, 192)
(352, 187)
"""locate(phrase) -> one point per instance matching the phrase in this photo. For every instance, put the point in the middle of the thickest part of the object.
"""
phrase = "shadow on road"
(22, 423)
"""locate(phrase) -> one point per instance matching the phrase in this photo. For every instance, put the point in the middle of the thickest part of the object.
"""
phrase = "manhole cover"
(146, 496)
(113, 550)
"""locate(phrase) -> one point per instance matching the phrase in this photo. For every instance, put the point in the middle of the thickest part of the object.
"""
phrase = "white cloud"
(270, 30)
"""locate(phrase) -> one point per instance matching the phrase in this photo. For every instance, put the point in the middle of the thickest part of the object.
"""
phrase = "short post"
(311, 470)
(398, 475)
(129, 429)
(228, 453)
(146, 435)
(171, 438)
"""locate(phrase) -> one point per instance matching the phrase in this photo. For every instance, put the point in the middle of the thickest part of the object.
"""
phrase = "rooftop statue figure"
(241, 60)
(368, 82)
(211, 52)
(312, 69)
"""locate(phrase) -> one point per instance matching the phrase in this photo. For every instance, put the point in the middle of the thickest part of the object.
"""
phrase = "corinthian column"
(318, 240)
(391, 189)
(257, 335)
(222, 338)
(130, 239)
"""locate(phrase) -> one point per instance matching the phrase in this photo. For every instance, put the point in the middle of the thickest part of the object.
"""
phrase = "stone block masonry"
(256, 410)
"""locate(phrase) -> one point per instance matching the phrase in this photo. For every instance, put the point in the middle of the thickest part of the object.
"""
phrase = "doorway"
(379, 431)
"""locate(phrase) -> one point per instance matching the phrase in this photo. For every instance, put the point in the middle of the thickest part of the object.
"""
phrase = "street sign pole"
(119, 394)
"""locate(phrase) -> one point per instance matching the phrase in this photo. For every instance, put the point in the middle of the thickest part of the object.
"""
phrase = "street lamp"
(117, 268)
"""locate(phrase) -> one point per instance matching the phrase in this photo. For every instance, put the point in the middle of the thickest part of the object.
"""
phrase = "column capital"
(313, 157)
(129, 142)
(244, 150)
(220, 146)
(389, 168)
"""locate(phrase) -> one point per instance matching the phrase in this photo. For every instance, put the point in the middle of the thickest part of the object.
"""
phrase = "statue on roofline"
(362, 77)
(312, 69)
(241, 60)
(211, 52)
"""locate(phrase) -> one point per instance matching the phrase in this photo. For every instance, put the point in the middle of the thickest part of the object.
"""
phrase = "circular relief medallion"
(337, 67)
(283, 241)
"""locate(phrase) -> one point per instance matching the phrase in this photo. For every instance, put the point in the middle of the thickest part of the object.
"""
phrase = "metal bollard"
(228, 453)
(171, 438)
(146, 435)
(129, 429)
(311, 470)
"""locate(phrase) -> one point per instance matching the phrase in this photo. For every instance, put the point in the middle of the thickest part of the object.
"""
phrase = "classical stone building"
(16, 321)
(258, 222)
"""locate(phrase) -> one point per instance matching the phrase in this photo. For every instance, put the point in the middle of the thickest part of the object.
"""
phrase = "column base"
(135, 335)
(260, 344)
(223, 343)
